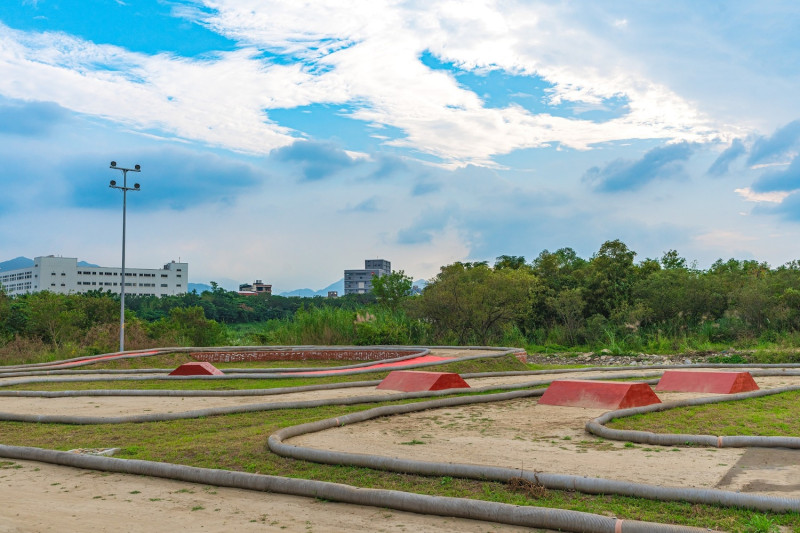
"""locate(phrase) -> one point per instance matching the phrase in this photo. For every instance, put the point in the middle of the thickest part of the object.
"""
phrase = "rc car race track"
(490, 436)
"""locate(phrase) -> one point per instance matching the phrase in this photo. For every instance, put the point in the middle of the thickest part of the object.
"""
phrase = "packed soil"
(41, 497)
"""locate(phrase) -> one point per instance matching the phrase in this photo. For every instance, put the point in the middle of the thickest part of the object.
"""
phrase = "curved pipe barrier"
(597, 426)
(538, 517)
(550, 481)
(213, 411)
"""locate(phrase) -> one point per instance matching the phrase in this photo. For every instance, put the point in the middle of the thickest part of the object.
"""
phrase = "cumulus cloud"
(370, 205)
(317, 160)
(426, 186)
(781, 143)
(171, 178)
(720, 166)
(663, 162)
(789, 209)
(30, 118)
(388, 166)
(424, 230)
(368, 56)
(218, 100)
(787, 179)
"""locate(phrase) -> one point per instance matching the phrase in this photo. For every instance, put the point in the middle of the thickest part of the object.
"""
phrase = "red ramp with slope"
(710, 382)
(413, 381)
(598, 394)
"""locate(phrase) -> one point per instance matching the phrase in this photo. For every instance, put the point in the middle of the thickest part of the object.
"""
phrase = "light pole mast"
(124, 188)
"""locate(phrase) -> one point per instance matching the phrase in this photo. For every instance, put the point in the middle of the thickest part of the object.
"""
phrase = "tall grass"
(331, 326)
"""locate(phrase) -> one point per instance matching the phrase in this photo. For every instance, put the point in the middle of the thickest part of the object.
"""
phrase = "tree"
(568, 306)
(471, 302)
(190, 327)
(53, 318)
(392, 289)
(610, 276)
(514, 262)
(5, 315)
(671, 260)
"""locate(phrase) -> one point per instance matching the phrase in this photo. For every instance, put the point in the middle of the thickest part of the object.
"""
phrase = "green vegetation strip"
(238, 442)
(768, 416)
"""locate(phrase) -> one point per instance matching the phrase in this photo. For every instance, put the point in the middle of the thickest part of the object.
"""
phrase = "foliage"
(392, 289)
(608, 301)
(473, 303)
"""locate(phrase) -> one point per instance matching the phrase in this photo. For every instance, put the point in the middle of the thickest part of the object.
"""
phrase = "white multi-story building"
(360, 281)
(63, 275)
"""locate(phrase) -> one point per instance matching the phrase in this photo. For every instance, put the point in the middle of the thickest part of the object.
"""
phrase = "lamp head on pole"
(113, 183)
(113, 164)
(137, 168)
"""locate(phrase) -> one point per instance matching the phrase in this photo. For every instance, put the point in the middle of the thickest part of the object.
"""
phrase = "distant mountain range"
(338, 286)
(24, 262)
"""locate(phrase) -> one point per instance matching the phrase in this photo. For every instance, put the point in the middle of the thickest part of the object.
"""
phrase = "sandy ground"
(516, 434)
(39, 497)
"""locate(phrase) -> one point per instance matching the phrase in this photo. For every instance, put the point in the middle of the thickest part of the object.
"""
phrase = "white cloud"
(218, 101)
(774, 197)
(723, 239)
(366, 55)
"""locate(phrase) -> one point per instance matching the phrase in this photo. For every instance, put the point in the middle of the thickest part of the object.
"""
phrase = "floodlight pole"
(124, 190)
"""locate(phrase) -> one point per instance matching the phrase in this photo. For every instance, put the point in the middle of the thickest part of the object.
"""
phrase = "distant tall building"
(63, 275)
(360, 281)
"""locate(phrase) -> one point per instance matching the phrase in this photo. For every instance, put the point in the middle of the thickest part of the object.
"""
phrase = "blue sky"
(287, 143)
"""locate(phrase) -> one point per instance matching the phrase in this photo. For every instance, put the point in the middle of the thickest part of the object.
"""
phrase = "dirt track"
(515, 434)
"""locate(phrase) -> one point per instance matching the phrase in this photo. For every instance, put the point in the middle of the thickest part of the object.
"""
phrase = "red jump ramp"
(711, 382)
(413, 381)
(196, 369)
(598, 394)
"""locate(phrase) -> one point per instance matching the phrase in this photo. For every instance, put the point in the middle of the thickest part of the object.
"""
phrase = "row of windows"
(16, 276)
(133, 274)
(115, 284)
(17, 286)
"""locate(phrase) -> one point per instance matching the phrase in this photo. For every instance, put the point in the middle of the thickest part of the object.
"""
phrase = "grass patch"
(768, 416)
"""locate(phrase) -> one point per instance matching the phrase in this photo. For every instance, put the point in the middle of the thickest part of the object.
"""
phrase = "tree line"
(660, 304)
(557, 300)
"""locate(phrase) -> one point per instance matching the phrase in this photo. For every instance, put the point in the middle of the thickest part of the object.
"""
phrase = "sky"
(288, 141)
